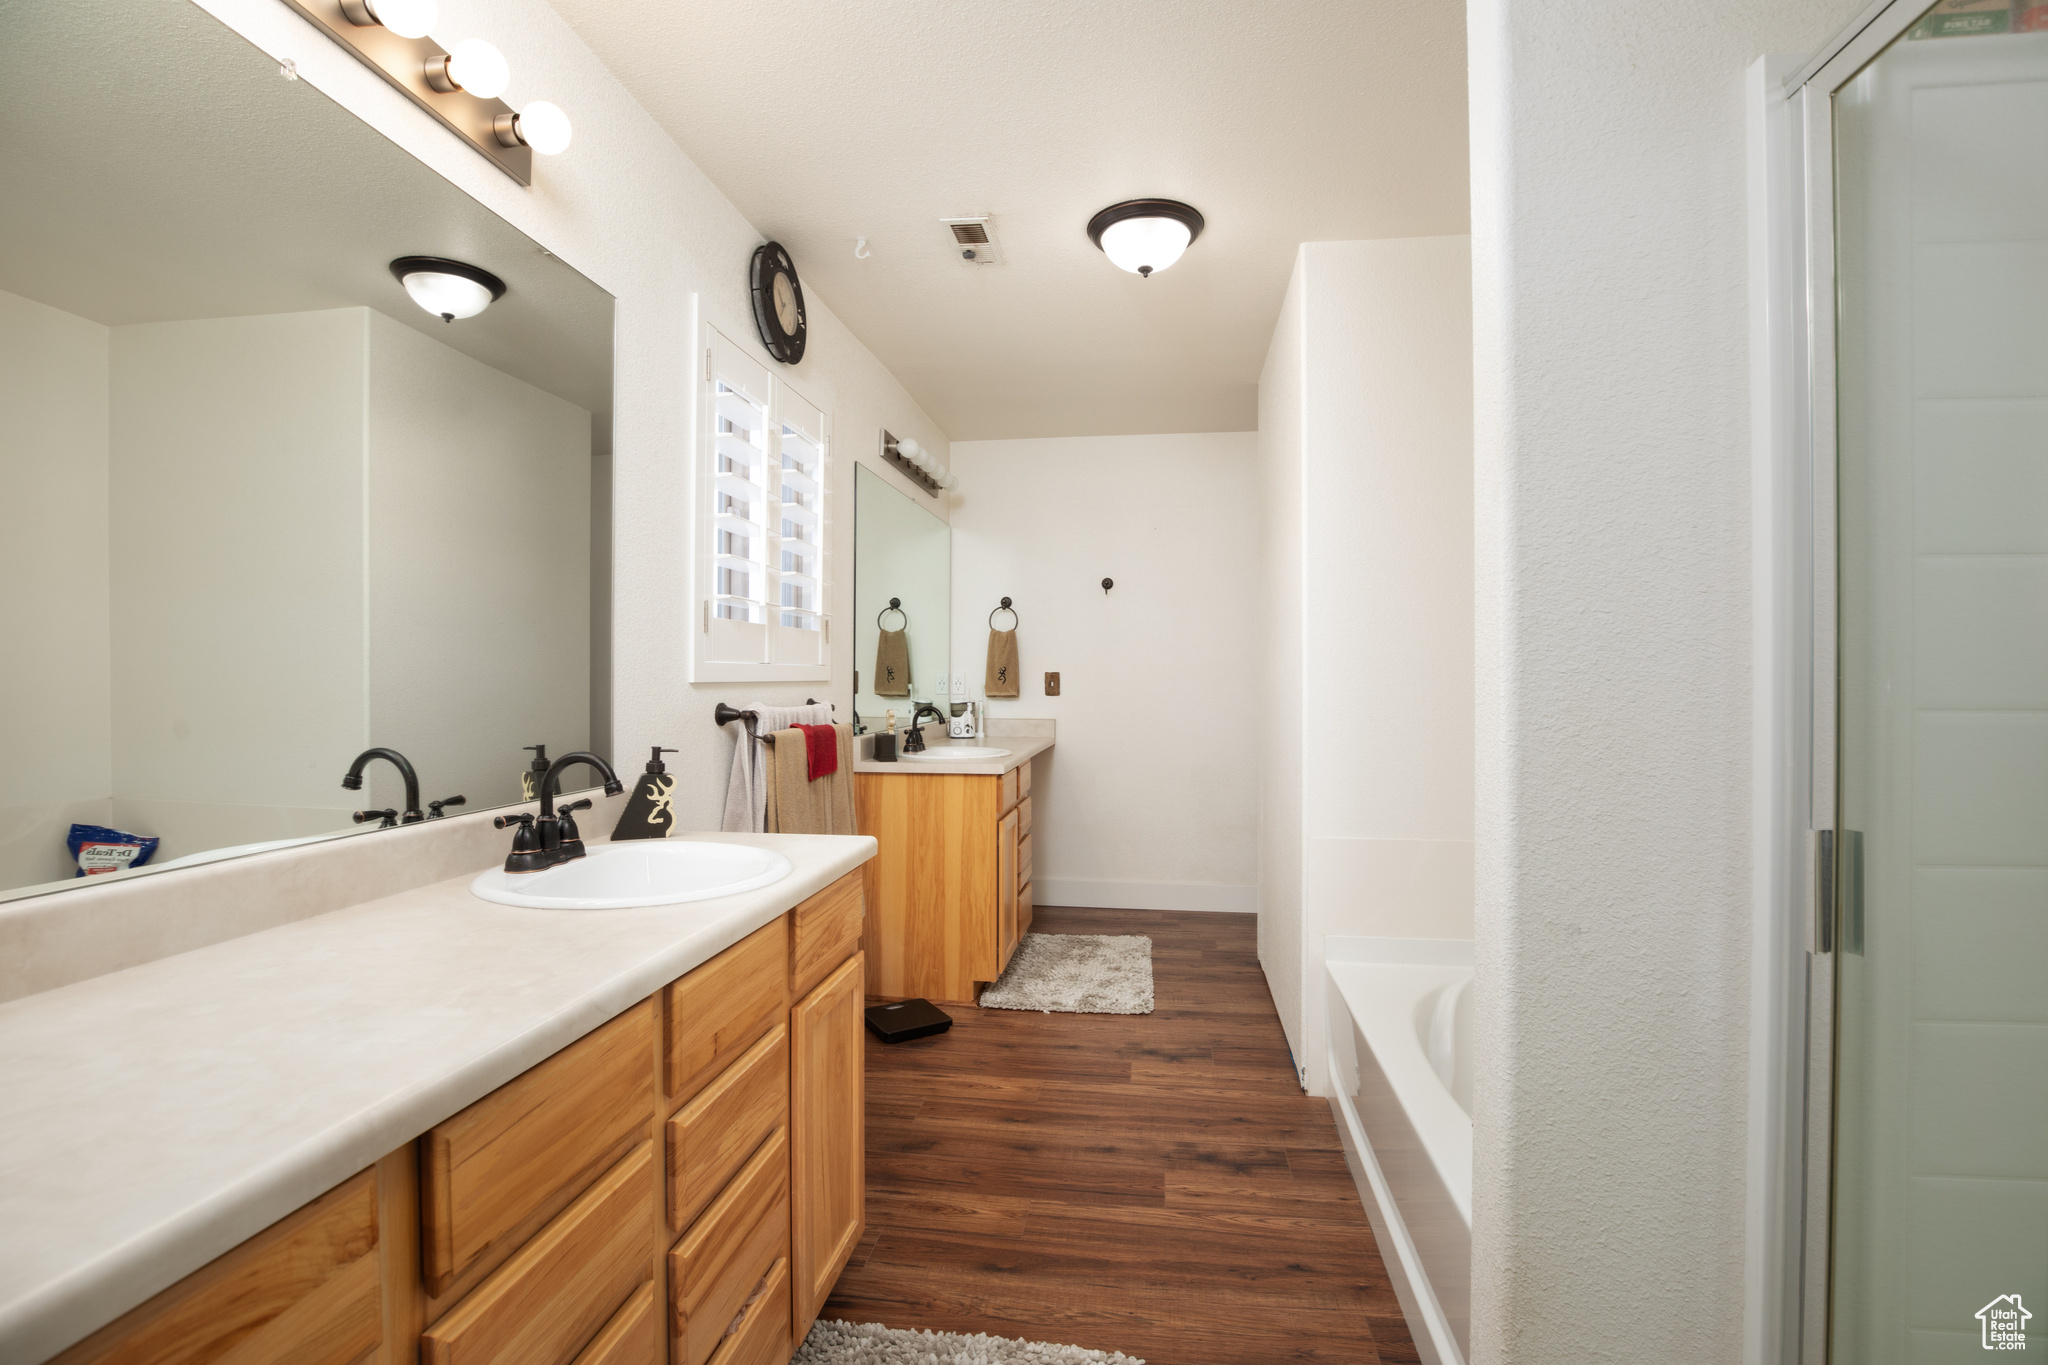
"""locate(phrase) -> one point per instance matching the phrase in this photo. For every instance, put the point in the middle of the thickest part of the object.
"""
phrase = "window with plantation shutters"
(764, 611)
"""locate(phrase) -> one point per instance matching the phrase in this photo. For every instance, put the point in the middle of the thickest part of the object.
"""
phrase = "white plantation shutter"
(798, 637)
(764, 480)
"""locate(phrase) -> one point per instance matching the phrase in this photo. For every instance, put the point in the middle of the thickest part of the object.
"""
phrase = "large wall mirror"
(902, 601)
(262, 511)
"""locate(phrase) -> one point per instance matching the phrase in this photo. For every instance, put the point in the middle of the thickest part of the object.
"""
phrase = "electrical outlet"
(1052, 684)
(959, 684)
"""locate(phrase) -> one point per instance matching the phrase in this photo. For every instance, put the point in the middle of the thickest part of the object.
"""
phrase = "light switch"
(1052, 684)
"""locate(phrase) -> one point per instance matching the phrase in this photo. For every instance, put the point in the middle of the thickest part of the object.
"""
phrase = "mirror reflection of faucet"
(354, 782)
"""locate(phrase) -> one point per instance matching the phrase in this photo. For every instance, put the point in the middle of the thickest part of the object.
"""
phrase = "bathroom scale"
(907, 1019)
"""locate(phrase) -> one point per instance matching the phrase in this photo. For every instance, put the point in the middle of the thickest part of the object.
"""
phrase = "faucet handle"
(435, 809)
(388, 817)
(573, 807)
(524, 819)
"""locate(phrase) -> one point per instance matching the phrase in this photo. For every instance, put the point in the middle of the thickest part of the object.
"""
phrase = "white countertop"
(1009, 734)
(153, 1118)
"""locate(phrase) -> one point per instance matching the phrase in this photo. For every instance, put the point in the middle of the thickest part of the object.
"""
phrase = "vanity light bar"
(431, 77)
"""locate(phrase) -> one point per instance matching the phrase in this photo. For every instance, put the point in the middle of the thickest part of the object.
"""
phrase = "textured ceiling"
(1283, 121)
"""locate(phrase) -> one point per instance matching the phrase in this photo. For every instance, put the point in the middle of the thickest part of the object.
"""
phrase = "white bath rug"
(870, 1343)
(1076, 974)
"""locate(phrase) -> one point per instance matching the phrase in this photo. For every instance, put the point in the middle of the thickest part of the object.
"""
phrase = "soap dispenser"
(649, 812)
(529, 781)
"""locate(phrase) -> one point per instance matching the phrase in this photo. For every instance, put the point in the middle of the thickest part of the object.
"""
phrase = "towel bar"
(726, 715)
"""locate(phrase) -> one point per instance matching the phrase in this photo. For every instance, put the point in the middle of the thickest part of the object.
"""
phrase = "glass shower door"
(1940, 1182)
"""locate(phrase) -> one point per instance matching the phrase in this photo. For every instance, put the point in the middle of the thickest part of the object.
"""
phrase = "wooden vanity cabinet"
(949, 892)
(308, 1290)
(680, 1186)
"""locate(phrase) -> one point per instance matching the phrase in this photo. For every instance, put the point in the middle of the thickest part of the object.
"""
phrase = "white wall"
(54, 613)
(1613, 727)
(626, 208)
(1366, 404)
(1283, 414)
(1148, 800)
(478, 493)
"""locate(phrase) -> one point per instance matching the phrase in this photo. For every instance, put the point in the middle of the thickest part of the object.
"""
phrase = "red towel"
(821, 751)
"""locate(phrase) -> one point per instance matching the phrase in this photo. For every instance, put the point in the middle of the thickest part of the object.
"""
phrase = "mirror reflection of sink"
(956, 753)
(636, 873)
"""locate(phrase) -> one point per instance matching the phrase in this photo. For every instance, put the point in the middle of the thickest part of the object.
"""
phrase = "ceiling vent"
(974, 243)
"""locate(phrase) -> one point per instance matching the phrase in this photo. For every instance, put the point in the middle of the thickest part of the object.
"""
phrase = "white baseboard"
(1193, 896)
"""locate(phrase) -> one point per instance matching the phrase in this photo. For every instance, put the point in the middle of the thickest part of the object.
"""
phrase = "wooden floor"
(1154, 1184)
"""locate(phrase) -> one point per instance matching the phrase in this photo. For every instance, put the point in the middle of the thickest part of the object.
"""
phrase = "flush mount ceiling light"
(406, 18)
(447, 289)
(1145, 235)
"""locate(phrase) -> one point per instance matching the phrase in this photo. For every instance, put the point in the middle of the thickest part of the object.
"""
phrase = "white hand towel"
(746, 789)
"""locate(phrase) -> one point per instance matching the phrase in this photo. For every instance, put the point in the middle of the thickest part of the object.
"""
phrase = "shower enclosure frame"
(1797, 859)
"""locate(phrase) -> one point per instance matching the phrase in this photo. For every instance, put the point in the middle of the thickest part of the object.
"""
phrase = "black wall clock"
(778, 303)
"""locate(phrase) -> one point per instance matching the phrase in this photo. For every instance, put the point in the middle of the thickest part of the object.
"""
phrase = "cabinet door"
(828, 1153)
(304, 1292)
(1006, 890)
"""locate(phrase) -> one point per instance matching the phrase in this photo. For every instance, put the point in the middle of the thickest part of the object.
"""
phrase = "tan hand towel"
(1003, 679)
(892, 665)
(797, 805)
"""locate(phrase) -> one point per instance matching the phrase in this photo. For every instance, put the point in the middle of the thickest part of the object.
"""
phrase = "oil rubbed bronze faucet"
(552, 837)
(354, 782)
(913, 743)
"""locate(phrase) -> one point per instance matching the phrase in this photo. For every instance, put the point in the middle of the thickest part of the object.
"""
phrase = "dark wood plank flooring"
(1155, 1184)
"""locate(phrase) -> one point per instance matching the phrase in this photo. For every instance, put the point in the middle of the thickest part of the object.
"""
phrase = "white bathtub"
(1400, 1038)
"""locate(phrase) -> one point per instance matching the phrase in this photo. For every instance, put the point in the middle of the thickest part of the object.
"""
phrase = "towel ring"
(1004, 607)
(895, 605)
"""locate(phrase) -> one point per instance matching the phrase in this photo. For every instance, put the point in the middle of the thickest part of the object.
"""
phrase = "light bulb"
(479, 68)
(447, 296)
(1145, 245)
(406, 18)
(909, 449)
(544, 128)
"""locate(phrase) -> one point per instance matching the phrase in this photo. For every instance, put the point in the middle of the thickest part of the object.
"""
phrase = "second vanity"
(428, 1127)
(949, 890)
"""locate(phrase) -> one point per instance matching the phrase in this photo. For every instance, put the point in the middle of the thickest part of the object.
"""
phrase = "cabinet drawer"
(1023, 780)
(712, 1136)
(717, 1011)
(1008, 789)
(827, 932)
(530, 1144)
(564, 1285)
(1023, 817)
(762, 1337)
(725, 1254)
(303, 1292)
(632, 1337)
(1023, 856)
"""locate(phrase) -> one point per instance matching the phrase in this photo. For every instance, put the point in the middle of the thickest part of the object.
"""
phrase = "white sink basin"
(956, 753)
(637, 872)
